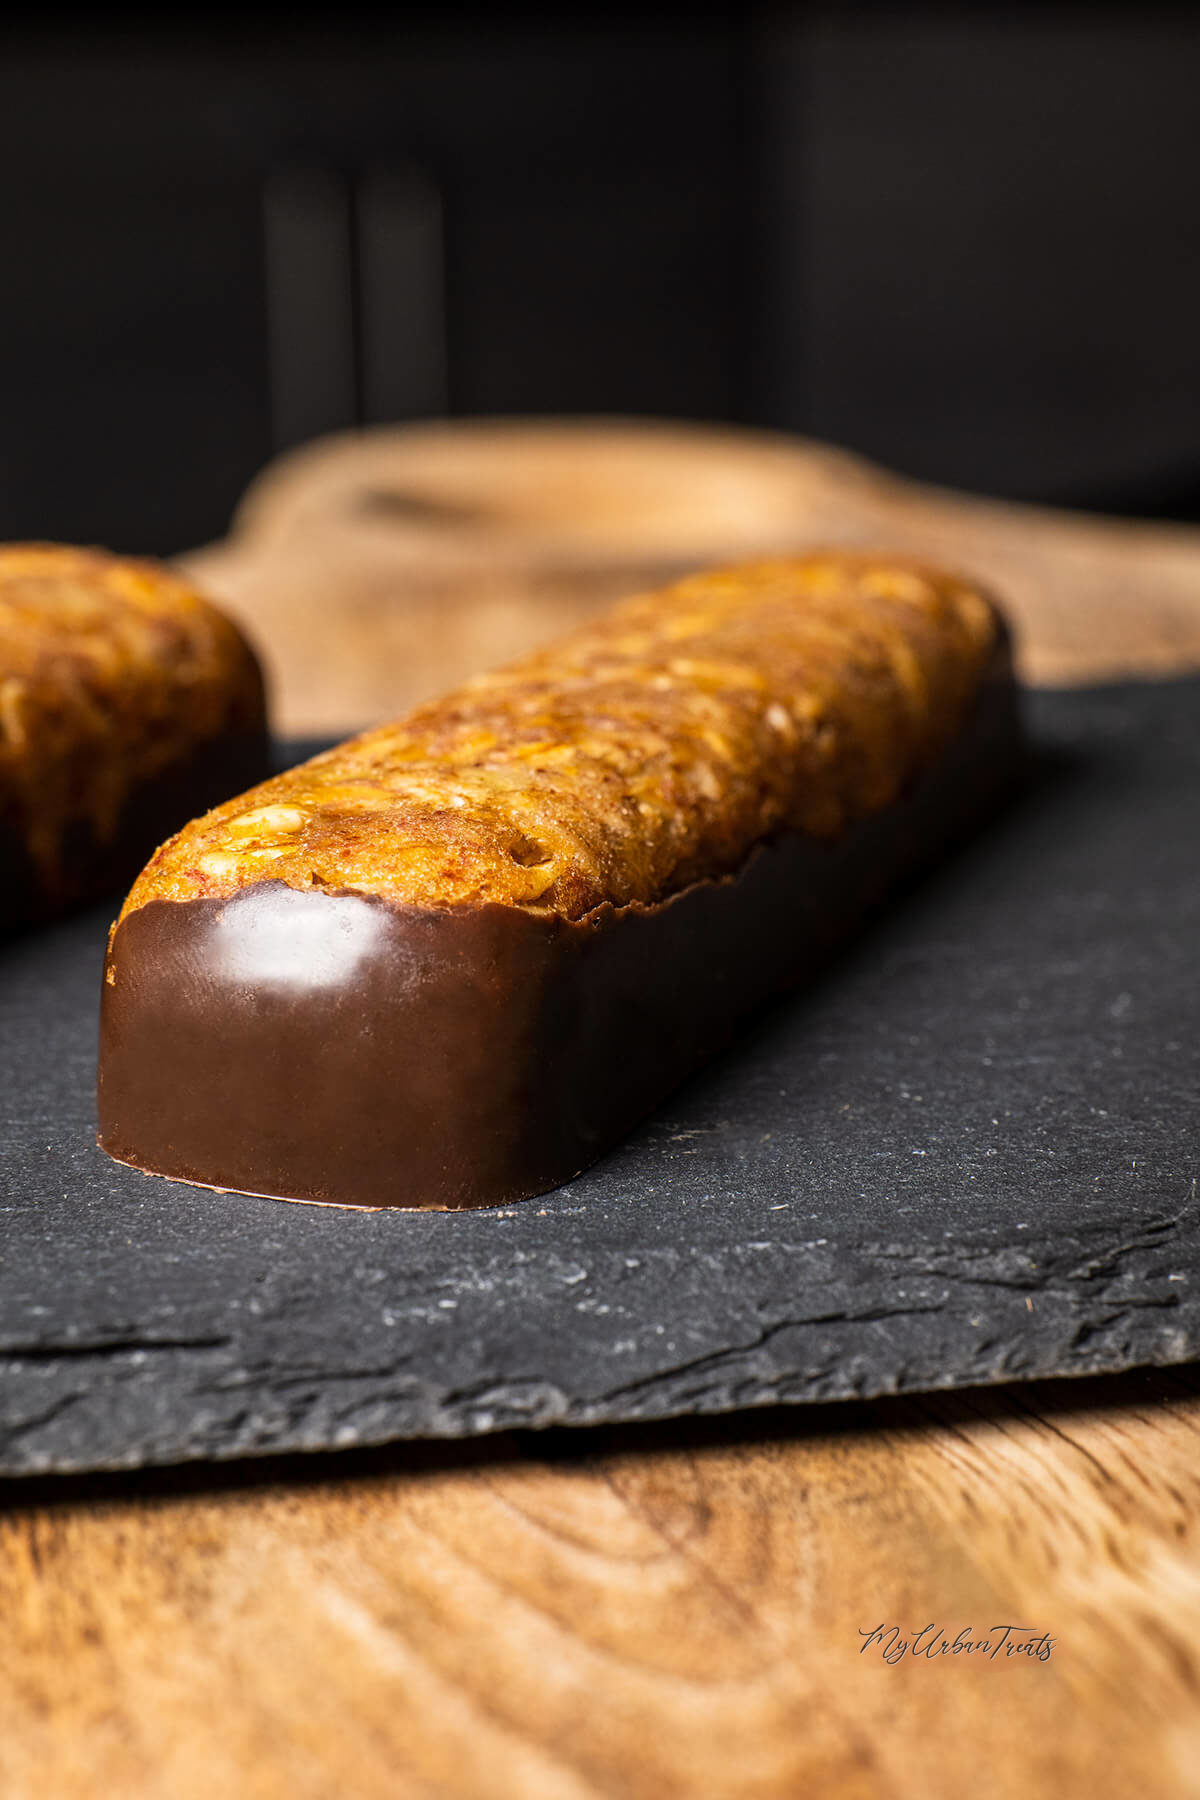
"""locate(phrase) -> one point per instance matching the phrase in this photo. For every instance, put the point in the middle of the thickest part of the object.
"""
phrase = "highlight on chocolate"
(451, 961)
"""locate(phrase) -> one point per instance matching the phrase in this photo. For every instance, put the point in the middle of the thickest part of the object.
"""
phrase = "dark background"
(964, 240)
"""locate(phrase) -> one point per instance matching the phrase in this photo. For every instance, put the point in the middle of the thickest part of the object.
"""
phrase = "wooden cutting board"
(378, 569)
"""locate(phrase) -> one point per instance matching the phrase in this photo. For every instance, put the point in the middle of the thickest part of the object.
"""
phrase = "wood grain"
(650, 1613)
(654, 1612)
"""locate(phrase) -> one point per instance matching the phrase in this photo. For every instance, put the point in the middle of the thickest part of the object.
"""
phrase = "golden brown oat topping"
(635, 756)
(111, 670)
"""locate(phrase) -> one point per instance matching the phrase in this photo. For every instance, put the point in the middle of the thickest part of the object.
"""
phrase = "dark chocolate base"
(92, 866)
(330, 1047)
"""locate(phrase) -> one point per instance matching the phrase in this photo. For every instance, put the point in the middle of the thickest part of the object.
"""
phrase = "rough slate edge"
(127, 1336)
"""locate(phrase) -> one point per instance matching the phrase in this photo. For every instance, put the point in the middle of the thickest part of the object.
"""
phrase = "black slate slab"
(968, 1155)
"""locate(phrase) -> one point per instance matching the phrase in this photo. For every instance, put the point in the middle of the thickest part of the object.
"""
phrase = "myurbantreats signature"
(931, 1642)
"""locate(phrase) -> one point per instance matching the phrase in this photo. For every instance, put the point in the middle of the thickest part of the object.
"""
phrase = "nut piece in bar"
(449, 962)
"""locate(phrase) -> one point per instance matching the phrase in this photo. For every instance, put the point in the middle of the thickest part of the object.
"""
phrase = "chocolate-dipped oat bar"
(449, 962)
(127, 704)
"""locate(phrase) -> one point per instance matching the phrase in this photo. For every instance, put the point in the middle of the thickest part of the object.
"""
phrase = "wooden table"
(680, 1610)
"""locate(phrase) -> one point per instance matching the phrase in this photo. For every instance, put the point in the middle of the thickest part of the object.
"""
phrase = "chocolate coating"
(92, 863)
(342, 1048)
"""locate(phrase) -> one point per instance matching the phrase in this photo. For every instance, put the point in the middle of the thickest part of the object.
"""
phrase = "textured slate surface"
(969, 1154)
